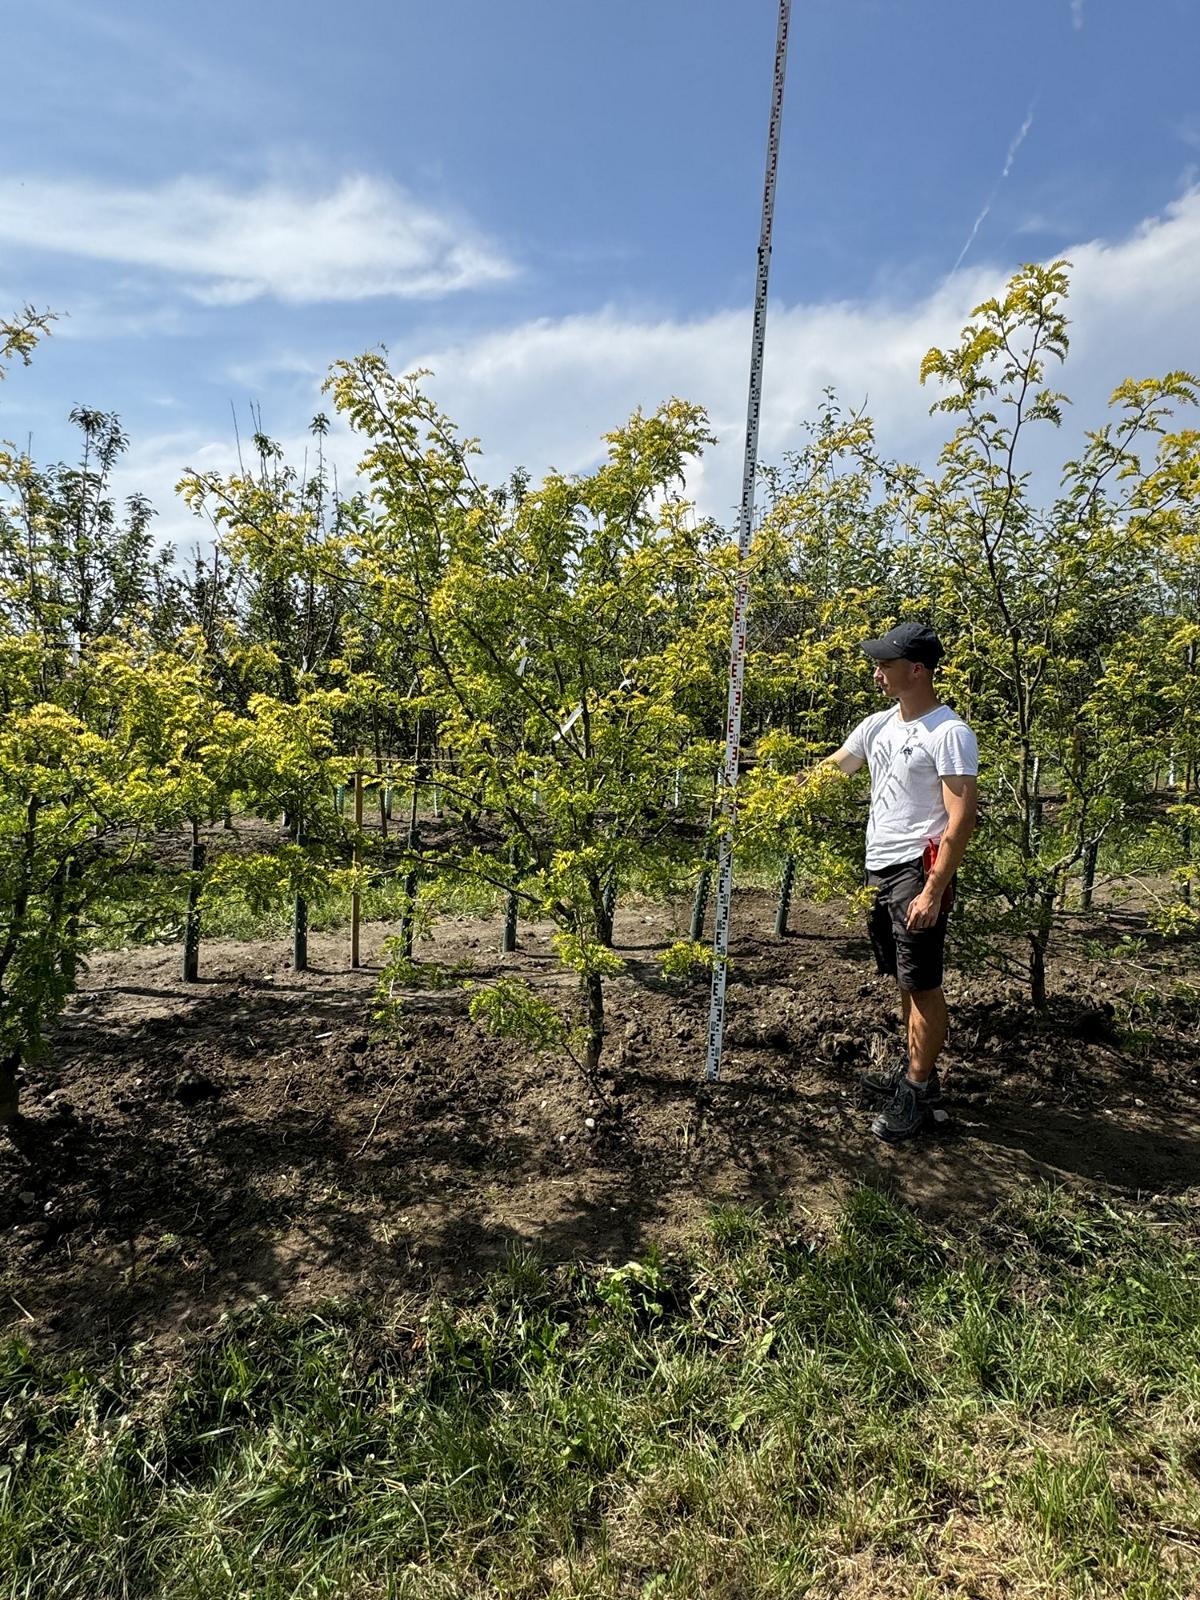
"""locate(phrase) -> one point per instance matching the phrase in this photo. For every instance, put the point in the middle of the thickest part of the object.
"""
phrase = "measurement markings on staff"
(737, 650)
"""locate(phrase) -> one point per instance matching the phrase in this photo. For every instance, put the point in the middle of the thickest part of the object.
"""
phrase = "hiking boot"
(883, 1085)
(910, 1110)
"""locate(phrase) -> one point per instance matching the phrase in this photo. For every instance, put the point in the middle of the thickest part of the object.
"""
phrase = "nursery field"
(446, 1272)
(297, 1308)
(189, 1147)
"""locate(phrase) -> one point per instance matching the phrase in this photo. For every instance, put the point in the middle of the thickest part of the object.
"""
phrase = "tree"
(279, 563)
(72, 569)
(107, 725)
(97, 755)
(542, 626)
(20, 333)
(1043, 604)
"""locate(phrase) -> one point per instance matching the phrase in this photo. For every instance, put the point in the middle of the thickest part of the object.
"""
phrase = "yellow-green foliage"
(686, 958)
(509, 1009)
(554, 656)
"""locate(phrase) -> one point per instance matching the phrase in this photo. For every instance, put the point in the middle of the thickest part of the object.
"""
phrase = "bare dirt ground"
(186, 1148)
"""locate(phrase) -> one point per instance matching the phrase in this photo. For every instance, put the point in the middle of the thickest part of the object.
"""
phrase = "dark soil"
(186, 1148)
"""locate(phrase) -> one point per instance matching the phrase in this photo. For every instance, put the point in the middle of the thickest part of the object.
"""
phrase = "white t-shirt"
(907, 761)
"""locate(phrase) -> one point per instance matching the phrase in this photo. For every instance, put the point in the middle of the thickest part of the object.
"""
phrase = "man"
(924, 762)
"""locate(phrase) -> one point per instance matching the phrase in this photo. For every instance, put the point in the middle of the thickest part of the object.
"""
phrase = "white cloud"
(94, 317)
(1077, 15)
(542, 394)
(266, 371)
(157, 461)
(363, 238)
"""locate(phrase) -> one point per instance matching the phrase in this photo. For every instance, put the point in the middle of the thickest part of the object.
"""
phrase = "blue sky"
(555, 204)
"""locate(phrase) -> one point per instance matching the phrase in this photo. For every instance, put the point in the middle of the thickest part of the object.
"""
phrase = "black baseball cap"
(909, 641)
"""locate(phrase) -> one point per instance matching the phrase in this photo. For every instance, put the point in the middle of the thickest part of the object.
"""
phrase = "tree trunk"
(69, 960)
(1037, 971)
(704, 881)
(602, 909)
(300, 918)
(1090, 855)
(356, 895)
(1035, 808)
(300, 934)
(594, 989)
(1186, 887)
(508, 939)
(1039, 943)
(610, 910)
(410, 877)
(191, 924)
(408, 913)
(385, 802)
(9, 1093)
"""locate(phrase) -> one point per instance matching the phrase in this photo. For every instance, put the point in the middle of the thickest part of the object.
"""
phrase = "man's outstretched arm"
(845, 761)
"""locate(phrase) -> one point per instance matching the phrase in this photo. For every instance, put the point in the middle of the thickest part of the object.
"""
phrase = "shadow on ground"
(189, 1147)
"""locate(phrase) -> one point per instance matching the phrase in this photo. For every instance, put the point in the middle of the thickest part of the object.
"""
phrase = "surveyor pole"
(737, 648)
(356, 892)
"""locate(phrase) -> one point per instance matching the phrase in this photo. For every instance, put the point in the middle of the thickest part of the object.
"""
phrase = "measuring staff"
(737, 650)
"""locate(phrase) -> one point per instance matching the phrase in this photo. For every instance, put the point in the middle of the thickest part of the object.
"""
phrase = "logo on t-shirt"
(907, 767)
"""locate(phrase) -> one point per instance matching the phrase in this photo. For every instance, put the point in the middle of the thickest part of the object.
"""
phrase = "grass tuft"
(1011, 1412)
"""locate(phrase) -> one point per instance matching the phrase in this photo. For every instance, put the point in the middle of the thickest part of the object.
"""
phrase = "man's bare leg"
(927, 1020)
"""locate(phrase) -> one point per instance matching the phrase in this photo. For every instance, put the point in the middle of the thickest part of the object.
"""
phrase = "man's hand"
(840, 761)
(924, 911)
(960, 795)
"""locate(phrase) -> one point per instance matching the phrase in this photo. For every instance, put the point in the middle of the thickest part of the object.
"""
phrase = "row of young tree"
(555, 657)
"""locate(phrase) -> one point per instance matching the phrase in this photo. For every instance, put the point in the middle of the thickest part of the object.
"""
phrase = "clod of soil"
(193, 1088)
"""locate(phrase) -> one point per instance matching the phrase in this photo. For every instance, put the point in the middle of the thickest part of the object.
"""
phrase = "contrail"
(1077, 14)
(1008, 166)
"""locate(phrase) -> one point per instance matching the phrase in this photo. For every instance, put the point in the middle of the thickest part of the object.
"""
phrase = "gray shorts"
(914, 957)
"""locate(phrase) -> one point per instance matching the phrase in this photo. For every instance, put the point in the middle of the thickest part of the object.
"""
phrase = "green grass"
(155, 909)
(158, 910)
(232, 918)
(878, 1412)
